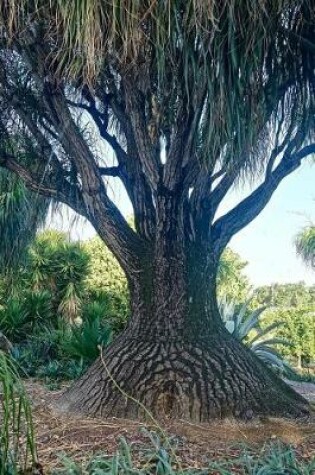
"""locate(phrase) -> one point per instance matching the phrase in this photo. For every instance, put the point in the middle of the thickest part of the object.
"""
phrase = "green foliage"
(21, 314)
(83, 339)
(284, 295)
(298, 327)
(21, 213)
(305, 245)
(42, 355)
(246, 326)
(160, 458)
(13, 319)
(38, 305)
(54, 317)
(15, 421)
(56, 264)
(294, 305)
(232, 283)
(107, 282)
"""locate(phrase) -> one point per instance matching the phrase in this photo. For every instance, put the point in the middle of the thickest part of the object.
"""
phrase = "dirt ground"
(196, 444)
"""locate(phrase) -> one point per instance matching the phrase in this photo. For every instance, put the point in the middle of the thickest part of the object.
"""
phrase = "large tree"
(192, 97)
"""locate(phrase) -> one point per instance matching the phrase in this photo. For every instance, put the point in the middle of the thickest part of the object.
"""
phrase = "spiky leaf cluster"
(232, 60)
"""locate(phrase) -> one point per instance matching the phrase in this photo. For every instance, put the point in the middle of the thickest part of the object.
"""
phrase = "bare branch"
(110, 171)
(46, 183)
(247, 210)
(95, 203)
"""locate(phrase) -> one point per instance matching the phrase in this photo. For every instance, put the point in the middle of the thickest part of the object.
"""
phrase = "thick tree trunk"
(175, 357)
(179, 379)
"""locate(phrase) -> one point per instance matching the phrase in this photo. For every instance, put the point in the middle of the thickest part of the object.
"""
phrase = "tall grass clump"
(17, 441)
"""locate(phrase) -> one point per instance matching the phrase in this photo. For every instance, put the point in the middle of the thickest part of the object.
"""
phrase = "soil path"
(196, 444)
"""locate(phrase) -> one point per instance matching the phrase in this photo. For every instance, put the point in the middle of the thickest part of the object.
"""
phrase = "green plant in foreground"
(17, 441)
(275, 459)
(244, 325)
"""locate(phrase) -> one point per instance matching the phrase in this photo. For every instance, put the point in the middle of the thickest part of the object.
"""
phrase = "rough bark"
(177, 378)
(175, 357)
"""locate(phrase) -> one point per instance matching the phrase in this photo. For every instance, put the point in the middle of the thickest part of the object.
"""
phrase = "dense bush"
(299, 328)
(294, 304)
(82, 340)
(59, 266)
(106, 282)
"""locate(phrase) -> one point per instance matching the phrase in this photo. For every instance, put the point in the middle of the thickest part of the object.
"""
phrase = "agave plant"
(245, 325)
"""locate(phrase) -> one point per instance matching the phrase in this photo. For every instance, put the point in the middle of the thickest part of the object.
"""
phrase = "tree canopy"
(223, 89)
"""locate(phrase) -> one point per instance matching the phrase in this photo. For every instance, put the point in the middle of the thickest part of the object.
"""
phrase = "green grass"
(160, 459)
(17, 441)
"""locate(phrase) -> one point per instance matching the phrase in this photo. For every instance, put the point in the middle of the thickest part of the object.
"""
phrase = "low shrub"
(82, 340)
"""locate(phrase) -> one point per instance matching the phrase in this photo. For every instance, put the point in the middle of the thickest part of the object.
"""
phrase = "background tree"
(305, 245)
(107, 283)
(285, 295)
(294, 305)
(299, 329)
(232, 284)
(192, 97)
